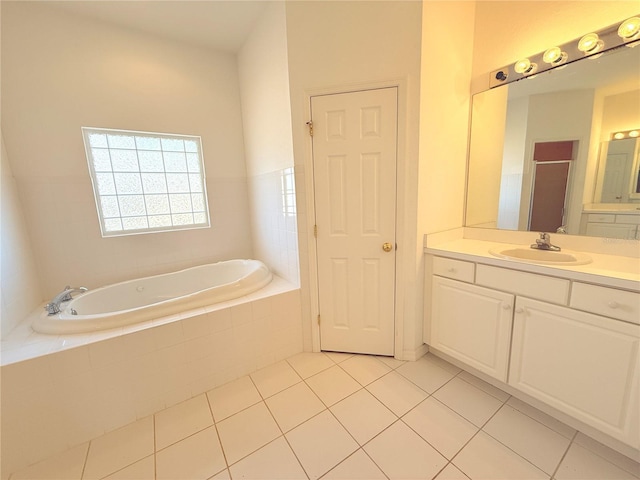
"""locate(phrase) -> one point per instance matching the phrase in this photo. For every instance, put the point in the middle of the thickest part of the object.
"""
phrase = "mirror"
(542, 154)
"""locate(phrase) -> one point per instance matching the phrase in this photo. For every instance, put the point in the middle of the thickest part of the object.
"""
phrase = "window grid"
(130, 179)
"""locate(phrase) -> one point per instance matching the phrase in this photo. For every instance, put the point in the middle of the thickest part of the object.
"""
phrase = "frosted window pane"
(197, 200)
(128, 183)
(124, 160)
(121, 141)
(135, 223)
(172, 145)
(193, 162)
(182, 219)
(199, 217)
(148, 143)
(101, 160)
(191, 146)
(154, 183)
(195, 181)
(160, 221)
(175, 162)
(150, 161)
(98, 140)
(132, 205)
(157, 204)
(105, 184)
(112, 225)
(178, 182)
(180, 203)
(109, 206)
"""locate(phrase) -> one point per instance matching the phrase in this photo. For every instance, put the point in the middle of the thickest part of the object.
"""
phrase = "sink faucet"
(544, 243)
(53, 307)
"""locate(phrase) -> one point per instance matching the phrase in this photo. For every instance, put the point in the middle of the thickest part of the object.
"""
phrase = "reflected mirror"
(544, 154)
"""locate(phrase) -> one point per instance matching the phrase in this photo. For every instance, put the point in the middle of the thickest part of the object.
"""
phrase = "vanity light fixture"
(634, 133)
(555, 56)
(629, 30)
(625, 134)
(590, 44)
(525, 67)
(618, 136)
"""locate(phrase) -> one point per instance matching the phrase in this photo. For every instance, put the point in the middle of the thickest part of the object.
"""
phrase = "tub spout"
(53, 307)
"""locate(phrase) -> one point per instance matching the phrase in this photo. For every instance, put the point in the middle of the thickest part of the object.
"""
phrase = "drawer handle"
(613, 304)
(506, 306)
(519, 310)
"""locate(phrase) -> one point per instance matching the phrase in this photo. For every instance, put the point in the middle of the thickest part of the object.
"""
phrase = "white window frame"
(172, 176)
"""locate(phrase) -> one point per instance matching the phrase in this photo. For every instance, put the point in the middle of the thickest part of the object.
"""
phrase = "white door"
(354, 167)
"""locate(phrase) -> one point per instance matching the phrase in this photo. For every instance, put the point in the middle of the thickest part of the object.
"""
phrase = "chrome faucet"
(53, 307)
(544, 243)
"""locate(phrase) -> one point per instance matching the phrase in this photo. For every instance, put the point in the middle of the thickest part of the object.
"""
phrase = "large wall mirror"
(543, 155)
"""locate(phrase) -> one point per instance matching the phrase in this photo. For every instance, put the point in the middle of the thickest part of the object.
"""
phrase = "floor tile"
(307, 364)
(320, 444)
(469, 401)
(294, 405)
(275, 378)
(443, 428)
(582, 464)
(401, 453)
(68, 465)
(530, 439)
(397, 393)
(365, 368)
(197, 457)
(451, 472)
(333, 385)
(118, 449)
(555, 425)
(233, 397)
(357, 467)
(184, 419)
(484, 386)
(338, 357)
(141, 470)
(608, 454)
(391, 362)
(486, 458)
(246, 432)
(363, 415)
(223, 475)
(427, 375)
(274, 461)
(449, 367)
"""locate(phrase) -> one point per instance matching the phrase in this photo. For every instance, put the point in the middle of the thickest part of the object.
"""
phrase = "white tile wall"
(53, 402)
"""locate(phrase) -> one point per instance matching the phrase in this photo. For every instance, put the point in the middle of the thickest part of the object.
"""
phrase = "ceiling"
(218, 25)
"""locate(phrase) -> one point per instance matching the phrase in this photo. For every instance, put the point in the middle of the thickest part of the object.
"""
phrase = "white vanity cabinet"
(582, 364)
(610, 225)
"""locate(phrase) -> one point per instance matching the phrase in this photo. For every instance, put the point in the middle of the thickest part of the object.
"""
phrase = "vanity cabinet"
(612, 226)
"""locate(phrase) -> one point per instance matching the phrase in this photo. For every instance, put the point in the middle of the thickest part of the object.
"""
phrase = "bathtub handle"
(53, 307)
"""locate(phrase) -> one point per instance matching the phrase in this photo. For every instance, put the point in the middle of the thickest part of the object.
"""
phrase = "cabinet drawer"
(606, 301)
(541, 287)
(601, 217)
(629, 219)
(456, 269)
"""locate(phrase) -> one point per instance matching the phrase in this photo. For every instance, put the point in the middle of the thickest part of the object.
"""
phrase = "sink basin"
(543, 257)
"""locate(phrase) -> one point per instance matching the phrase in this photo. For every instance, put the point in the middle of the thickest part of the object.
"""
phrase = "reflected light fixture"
(634, 133)
(626, 134)
(619, 136)
(630, 29)
(590, 43)
(554, 56)
(525, 67)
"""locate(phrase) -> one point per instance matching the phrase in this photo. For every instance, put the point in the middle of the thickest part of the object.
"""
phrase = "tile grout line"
(86, 460)
(555, 471)
(215, 425)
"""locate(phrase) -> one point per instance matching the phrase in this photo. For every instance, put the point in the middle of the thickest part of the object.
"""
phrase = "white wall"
(21, 291)
(61, 72)
(266, 115)
(346, 45)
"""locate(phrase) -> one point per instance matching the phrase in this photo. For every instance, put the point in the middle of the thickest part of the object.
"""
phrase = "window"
(146, 182)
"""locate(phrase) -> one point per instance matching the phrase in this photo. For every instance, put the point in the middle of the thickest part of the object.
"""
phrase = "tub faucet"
(53, 307)
(544, 243)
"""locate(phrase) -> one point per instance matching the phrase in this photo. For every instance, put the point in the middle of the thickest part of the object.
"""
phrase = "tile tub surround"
(58, 392)
(274, 424)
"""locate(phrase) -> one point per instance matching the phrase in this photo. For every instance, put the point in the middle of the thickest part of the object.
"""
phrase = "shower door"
(354, 168)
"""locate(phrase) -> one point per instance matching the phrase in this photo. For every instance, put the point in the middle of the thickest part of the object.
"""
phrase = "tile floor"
(339, 416)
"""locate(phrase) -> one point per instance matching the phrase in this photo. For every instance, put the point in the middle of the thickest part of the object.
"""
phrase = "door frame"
(401, 236)
(565, 204)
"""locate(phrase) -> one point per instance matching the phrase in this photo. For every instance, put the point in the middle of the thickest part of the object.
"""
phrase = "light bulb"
(590, 43)
(554, 56)
(630, 28)
(619, 136)
(634, 133)
(525, 66)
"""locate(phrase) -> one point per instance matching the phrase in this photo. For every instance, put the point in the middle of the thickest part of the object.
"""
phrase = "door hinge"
(318, 319)
(315, 231)
(310, 125)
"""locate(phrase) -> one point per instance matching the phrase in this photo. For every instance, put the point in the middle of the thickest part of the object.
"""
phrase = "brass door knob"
(387, 247)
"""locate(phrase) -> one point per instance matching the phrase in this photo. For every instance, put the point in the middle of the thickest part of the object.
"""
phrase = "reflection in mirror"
(542, 155)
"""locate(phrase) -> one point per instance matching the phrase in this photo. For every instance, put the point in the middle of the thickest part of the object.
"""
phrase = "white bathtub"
(147, 298)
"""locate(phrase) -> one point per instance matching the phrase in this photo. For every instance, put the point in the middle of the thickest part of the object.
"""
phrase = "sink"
(544, 257)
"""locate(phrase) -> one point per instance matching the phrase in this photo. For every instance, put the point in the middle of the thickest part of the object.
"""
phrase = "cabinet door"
(610, 230)
(472, 324)
(582, 364)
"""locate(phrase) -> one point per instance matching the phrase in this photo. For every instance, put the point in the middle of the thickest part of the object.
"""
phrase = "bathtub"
(148, 298)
